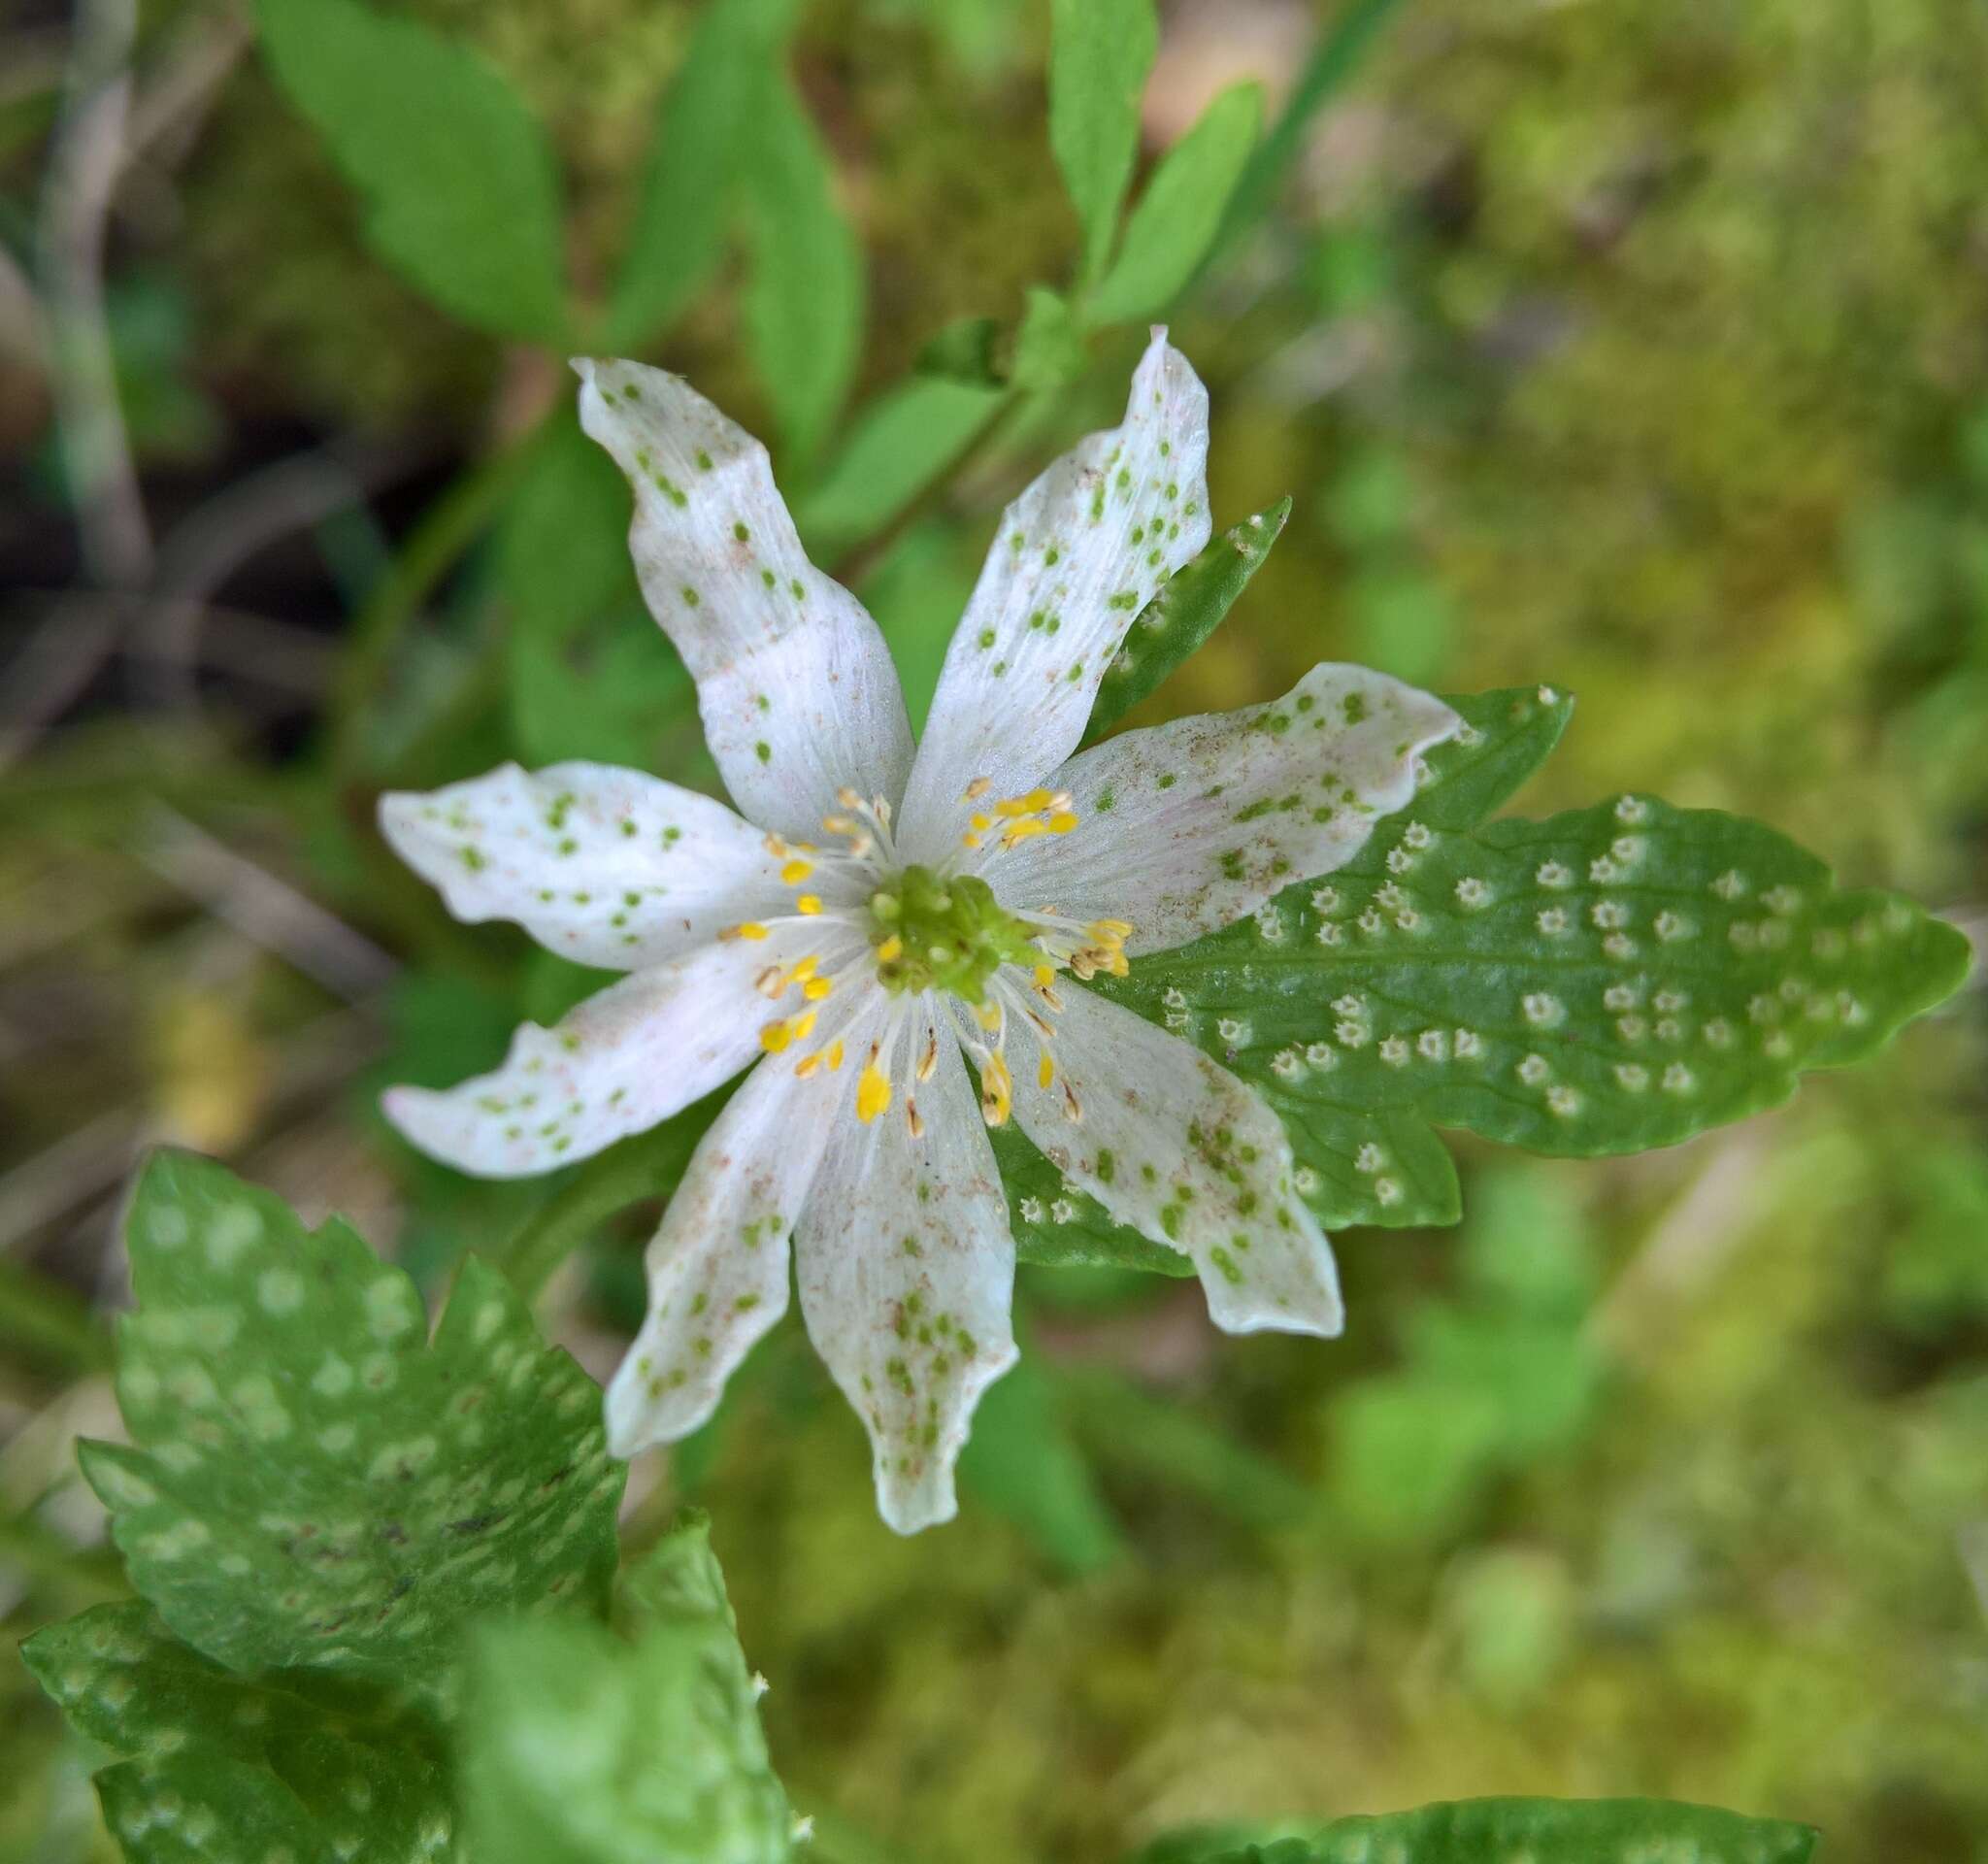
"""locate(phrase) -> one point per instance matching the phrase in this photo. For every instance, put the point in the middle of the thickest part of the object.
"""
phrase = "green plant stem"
(446, 529)
(50, 1322)
(1332, 64)
(860, 560)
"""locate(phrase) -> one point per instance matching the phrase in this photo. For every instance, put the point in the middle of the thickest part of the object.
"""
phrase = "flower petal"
(906, 1271)
(1077, 556)
(606, 867)
(1185, 1154)
(718, 1267)
(624, 1060)
(1185, 827)
(795, 685)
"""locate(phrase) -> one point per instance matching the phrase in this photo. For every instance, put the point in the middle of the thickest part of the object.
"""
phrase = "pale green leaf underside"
(224, 1766)
(804, 297)
(693, 163)
(1549, 1831)
(458, 178)
(580, 1748)
(1100, 54)
(1609, 980)
(1188, 608)
(1177, 217)
(313, 1484)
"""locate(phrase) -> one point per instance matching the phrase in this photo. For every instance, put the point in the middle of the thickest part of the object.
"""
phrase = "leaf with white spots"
(1611, 979)
(582, 1748)
(1188, 608)
(313, 1484)
(219, 1765)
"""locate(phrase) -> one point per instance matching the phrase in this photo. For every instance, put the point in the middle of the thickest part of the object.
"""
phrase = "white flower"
(875, 918)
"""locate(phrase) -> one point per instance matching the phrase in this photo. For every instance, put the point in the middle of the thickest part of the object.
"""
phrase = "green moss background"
(1642, 350)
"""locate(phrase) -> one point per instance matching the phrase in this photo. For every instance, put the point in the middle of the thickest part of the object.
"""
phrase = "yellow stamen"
(802, 1025)
(1063, 821)
(872, 1093)
(996, 1090)
(808, 1064)
(808, 903)
(815, 988)
(1046, 975)
(988, 1015)
(835, 1055)
(775, 1036)
(981, 822)
(802, 971)
(795, 872)
(1020, 831)
(891, 950)
(976, 789)
(1045, 1072)
(749, 929)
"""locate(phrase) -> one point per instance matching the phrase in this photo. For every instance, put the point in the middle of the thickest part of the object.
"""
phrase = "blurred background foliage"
(1643, 350)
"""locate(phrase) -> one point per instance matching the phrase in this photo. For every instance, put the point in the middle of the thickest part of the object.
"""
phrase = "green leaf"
(1611, 979)
(903, 441)
(590, 675)
(694, 163)
(580, 1748)
(967, 349)
(1557, 1831)
(1022, 1463)
(219, 1765)
(1177, 217)
(315, 1487)
(1189, 608)
(1048, 346)
(458, 179)
(804, 295)
(1100, 52)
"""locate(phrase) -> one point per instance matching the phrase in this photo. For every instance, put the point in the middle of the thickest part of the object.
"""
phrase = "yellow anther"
(1036, 801)
(872, 1093)
(775, 1036)
(1045, 1072)
(996, 1090)
(808, 1064)
(1112, 931)
(976, 789)
(835, 1055)
(988, 1014)
(970, 841)
(802, 971)
(808, 903)
(1063, 821)
(891, 950)
(838, 824)
(751, 929)
(983, 824)
(802, 1025)
(795, 872)
(1022, 829)
(1046, 975)
(775, 847)
(815, 988)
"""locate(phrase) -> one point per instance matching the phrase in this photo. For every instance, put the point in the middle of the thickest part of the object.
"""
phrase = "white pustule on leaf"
(876, 918)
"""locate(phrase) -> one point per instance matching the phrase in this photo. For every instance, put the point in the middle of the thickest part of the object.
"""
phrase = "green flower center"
(943, 934)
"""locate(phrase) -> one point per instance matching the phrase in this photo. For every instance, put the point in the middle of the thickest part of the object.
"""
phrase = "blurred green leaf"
(313, 1485)
(1100, 52)
(1612, 979)
(458, 179)
(590, 675)
(1022, 1462)
(695, 161)
(965, 350)
(1177, 217)
(1048, 346)
(804, 294)
(582, 1748)
(1549, 1831)
(1189, 607)
(224, 1766)
(901, 442)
